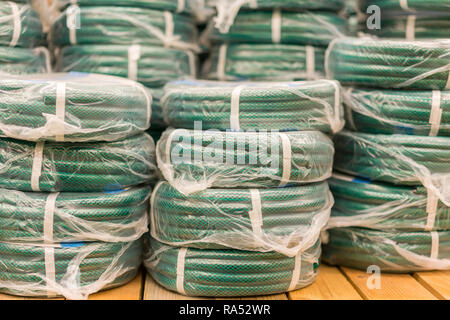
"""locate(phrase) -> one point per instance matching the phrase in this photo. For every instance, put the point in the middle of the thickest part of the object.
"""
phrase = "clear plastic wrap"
(398, 112)
(77, 167)
(72, 270)
(23, 61)
(73, 107)
(229, 273)
(391, 64)
(267, 62)
(70, 217)
(194, 160)
(284, 220)
(391, 251)
(283, 106)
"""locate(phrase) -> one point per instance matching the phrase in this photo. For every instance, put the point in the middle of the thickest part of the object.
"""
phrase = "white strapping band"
(222, 60)
(296, 272)
(72, 22)
(169, 26)
(152, 209)
(432, 205)
(180, 270)
(60, 108)
(134, 54)
(50, 268)
(234, 112)
(17, 24)
(404, 4)
(411, 28)
(434, 245)
(276, 26)
(36, 169)
(256, 213)
(448, 80)
(436, 113)
(49, 214)
(181, 6)
(192, 64)
(287, 159)
(310, 63)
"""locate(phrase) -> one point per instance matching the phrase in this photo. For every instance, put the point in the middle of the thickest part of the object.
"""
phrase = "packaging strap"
(180, 270)
(222, 60)
(17, 24)
(296, 272)
(276, 26)
(256, 213)
(36, 169)
(436, 113)
(287, 159)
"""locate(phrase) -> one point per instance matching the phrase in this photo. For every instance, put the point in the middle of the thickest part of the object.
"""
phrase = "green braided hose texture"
(21, 61)
(156, 65)
(80, 269)
(392, 251)
(97, 108)
(390, 64)
(381, 206)
(395, 111)
(292, 218)
(332, 5)
(78, 167)
(125, 26)
(282, 106)
(303, 28)
(230, 273)
(269, 62)
(110, 217)
(193, 160)
(30, 26)
(421, 5)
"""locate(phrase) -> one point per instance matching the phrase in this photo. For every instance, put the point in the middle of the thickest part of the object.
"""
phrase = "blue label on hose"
(72, 244)
(362, 180)
(405, 130)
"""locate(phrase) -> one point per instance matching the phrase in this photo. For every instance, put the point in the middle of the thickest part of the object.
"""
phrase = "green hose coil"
(21, 61)
(331, 5)
(77, 167)
(396, 112)
(230, 273)
(393, 251)
(80, 269)
(360, 203)
(264, 62)
(290, 220)
(391, 64)
(294, 106)
(205, 159)
(96, 108)
(108, 217)
(411, 5)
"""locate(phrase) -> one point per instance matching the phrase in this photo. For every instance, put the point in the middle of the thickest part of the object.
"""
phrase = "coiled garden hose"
(398, 112)
(152, 66)
(391, 64)
(269, 62)
(76, 167)
(205, 159)
(72, 270)
(407, 6)
(73, 107)
(20, 25)
(21, 61)
(70, 217)
(285, 220)
(229, 273)
(382, 206)
(280, 106)
(126, 26)
(391, 251)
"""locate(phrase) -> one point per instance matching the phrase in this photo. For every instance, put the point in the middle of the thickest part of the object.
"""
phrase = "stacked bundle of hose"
(98, 216)
(77, 167)
(407, 5)
(230, 273)
(265, 62)
(290, 220)
(23, 61)
(73, 108)
(398, 112)
(392, 251)
(193, 160)
(285, 106)
(74, 270)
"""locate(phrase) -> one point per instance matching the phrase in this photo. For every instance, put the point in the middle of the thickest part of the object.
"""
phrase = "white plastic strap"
(192, 64)
(60, 108)
(17, 24)
(404, 4)
(432, 205)
(411, 28)
(180, 270)
(36, 170)
(152, 209)
(222, 60)
(46, 53)
(72, 15)
(337, 107)
(434, 245)
(256, 213)
(181, 6)
(287, 159)
(436, 113)
(50, 206)
(296, 272)
(169, 25)
(234, 112)
(447, 87)
(168, 147)
(310, 63)
(50, 268)
(276, 26)
(134, 54)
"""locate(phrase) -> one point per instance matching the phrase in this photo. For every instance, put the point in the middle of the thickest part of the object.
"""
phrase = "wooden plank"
(437, 282)
(153, 291)
(330, 284)
(393, 286)
(130, 291)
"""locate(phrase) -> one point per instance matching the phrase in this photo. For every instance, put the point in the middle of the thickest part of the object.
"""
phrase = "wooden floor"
(332, 284)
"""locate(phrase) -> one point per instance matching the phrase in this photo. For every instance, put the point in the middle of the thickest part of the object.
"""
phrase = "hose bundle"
(109, 217)
(70, 270)
(230, 273)
(285, 220)
(76, 167)
(73, 107)
(280, 106)
(194, 160)
(391, 64)
(270, 62)
(392, 251)
(398, 112)
(153, 66)
(408, 6)
(21, 61)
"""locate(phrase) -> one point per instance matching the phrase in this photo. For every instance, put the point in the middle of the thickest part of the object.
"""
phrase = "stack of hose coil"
(75, 165)
(21, 40)
(288, 37)
(394, 209)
